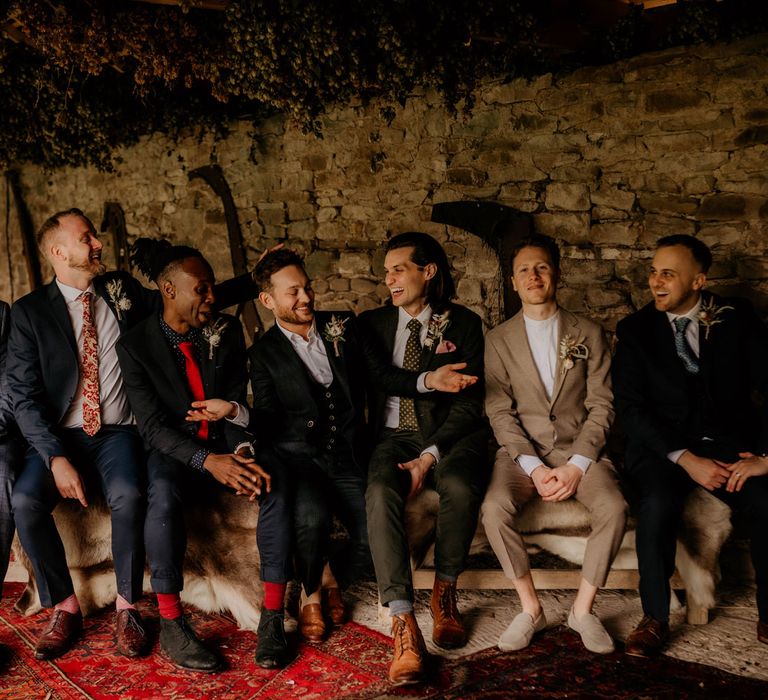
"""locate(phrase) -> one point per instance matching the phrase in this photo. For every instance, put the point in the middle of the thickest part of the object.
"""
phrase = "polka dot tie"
(684, 352)
(89, 368)
(411, 361)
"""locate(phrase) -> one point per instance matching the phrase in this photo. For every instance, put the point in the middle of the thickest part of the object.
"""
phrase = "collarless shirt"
(113, 401)
(311, 352)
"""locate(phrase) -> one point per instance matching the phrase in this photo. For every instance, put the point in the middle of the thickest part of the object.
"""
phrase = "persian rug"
(351, 663)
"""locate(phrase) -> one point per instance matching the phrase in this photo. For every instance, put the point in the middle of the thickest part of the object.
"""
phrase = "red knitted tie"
(195, 380)
(89, 369)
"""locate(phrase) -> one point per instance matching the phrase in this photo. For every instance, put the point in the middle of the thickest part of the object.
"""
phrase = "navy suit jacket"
(6, 417)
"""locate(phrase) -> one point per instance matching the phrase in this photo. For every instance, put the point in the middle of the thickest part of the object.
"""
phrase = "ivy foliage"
(79, 78)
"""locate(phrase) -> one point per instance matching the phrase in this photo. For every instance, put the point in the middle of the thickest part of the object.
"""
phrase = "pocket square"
(445, 346)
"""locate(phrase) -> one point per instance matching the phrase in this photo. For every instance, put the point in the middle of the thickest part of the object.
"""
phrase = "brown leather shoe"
(762, 632)
(648, 638)
(311, 623)
(62, 632)
(410, 651)
(333, 605)
(130, 635)
(448, 629)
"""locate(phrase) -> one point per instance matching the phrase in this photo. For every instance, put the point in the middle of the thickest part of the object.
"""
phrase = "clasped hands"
(712, 473)
(556, 483)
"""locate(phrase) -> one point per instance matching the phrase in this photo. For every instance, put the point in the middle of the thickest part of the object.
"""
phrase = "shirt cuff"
(421, 384)
(241, 418)
(581, 462)
(674, 456)
(198, 459)
(431, 450)
(528, 463)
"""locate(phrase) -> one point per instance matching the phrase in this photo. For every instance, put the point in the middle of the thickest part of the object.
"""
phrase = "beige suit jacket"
(577, 418)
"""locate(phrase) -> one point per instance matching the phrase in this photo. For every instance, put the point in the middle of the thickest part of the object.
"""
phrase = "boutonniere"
(572, 350)
(334, 332)
(212, 334)
(118, 298)
(435, 329)
(709, 315)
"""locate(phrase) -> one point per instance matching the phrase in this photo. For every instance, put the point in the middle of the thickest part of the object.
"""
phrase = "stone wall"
(605, 159)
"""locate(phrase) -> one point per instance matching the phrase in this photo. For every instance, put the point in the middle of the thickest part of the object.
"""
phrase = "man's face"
(193, 297)
(291, 298)
(406, 280)
(675, 280)
(77, 247)
(534, 277)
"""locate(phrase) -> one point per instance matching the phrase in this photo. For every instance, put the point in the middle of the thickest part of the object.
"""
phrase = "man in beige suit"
(549, 401)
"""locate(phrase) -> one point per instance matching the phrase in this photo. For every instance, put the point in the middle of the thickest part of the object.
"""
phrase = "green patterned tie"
(410, 361)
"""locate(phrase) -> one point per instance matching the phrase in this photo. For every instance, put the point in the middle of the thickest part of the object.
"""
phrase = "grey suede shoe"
(520, 632)
(593, 634)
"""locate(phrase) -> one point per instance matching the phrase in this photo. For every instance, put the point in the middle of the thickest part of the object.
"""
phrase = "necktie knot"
(414, 325)
(186, 348)
(681, 323)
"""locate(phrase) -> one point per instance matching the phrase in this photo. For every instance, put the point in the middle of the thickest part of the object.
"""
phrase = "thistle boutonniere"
(438, 324)
(334, 332)
(212, 334)
(709, 315)
(118, 298)
(572, 350)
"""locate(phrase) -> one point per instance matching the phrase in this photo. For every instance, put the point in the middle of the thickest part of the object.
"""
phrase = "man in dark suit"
(169, 361)
(436, 439)
(70, 406)
(308, 378)
(690, 377)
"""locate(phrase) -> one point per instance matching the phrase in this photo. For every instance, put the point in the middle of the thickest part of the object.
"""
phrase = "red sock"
(169, 605)
(274, 593)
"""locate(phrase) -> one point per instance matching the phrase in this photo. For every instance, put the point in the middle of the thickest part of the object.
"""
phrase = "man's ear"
(430, 270)
(266, 299)
(168, 289)
(699, 281)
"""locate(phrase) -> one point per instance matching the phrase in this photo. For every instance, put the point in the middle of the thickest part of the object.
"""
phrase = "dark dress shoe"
(179, 641)
(648, 638)
(62, 632)
(333, 605)
(762, 632)
(311, 623)
(272, 648)
(130, 635)
(448, 629)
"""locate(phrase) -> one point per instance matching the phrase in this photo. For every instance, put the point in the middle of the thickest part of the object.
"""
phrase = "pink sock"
(70, 605)
(122, 604)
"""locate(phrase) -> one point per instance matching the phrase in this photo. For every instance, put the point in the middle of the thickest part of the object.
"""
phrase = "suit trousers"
(114, 455)
(11, 454)
(171, 484)
(459, 478)
(661, 488)
(511, 488)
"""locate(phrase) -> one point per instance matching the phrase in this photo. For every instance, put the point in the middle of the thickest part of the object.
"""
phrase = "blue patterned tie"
(684, 352)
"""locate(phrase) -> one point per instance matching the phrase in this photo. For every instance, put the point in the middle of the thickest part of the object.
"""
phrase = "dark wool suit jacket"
(159, 392)
(6, 417)
(284, 410)
(662, 409)
(443, 418)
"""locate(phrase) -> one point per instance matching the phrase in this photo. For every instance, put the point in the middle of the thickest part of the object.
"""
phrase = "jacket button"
(331, 417)
(310, 424)
(552, 417)
(330, 406)
(333, 428)
(327, 394)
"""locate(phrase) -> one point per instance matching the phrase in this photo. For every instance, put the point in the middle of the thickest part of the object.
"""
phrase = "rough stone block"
(613, 197)
(318, 264)
(722, 207)
(339, 284)
(566, 196)
(572, 228)
(469, 291)
(675, 100)
(353, 264)
(363, 286)
(752, 268)
(624, 233)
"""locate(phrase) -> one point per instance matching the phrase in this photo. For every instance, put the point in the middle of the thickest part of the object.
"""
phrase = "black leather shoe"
(272, 649)
(179, 641)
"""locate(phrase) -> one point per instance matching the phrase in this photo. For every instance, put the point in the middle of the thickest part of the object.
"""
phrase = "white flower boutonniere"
(212, 334)
(436, 327)
(572, 350)
(118, 298)
(334, 332)
(709, 315)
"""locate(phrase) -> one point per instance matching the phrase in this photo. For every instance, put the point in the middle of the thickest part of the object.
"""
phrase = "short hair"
(158, 259)
(537, 240)
(53, 222)
(274, 262)
(441, 288)
(700, 251)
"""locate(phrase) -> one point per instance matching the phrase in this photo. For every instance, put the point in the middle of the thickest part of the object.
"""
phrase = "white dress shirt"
(312, 353)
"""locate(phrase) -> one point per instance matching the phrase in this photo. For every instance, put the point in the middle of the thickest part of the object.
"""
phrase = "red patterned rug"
(352, 663)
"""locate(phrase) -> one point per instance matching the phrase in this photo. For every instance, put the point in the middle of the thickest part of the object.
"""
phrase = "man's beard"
(91, 266)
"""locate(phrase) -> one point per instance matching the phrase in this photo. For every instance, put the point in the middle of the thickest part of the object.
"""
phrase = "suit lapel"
(517, 342)
(428, 351)
(60, 315)
(567, 324)
(338, 363)
(163, 357)
(208, 370)
(389, 328)
(121, 318)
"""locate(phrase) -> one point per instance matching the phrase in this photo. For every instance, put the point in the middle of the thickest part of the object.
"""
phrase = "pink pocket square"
(445, 346)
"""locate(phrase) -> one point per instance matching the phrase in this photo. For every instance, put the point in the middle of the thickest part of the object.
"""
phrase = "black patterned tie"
(684, 352)
(410, 361)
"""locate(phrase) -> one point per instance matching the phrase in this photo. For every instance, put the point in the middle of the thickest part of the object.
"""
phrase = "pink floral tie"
(89, 368)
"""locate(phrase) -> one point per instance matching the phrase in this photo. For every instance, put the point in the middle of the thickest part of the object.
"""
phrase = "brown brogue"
(333, 604)
(648, 638)
(448, 629)
(62, 632)
(311, 623)
(410, 651)
(130, 635)
(762, 632)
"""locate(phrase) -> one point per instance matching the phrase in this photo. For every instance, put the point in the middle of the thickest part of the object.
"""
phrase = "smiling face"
(188, 295)
(676, 279)
(534, 278)
(406, 280)
(291, 299)
(74, 251)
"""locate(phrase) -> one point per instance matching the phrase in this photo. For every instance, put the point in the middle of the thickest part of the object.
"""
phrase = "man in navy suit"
(690, 377)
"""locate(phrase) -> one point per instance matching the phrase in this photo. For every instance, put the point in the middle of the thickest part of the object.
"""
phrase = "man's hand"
(707, 472)
(418, 468)
(544, 481)
(211, 410)
(448, 379)
(240, 473)
(68, 480)
(748, 465)
(567, 479)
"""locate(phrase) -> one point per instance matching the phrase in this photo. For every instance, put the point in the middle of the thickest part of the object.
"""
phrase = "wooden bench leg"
(696, 613)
